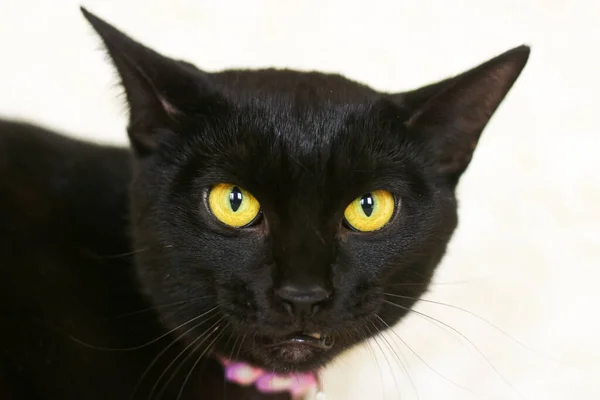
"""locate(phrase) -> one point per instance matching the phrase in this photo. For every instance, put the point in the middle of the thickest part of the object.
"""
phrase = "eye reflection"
(368, 204)
(235, 198)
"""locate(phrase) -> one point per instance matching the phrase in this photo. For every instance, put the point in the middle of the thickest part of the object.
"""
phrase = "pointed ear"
(160, 91)
(450, 115)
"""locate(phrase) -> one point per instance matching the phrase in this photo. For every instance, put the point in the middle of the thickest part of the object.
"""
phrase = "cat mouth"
(301, 351)
(301, 339)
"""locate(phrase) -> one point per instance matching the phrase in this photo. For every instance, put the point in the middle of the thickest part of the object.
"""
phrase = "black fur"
(105, 250)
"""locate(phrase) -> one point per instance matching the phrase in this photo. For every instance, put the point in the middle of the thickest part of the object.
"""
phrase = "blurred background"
(525, 261)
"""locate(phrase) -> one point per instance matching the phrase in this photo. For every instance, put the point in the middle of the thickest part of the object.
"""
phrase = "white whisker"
(473, 345)
(145, 344)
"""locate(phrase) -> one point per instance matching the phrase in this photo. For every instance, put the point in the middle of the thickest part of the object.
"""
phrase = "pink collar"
(297, 384)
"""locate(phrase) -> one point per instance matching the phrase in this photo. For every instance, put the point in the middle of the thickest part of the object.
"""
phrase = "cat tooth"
(315, 335)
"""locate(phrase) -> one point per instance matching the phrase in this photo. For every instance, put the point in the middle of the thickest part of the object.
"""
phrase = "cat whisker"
(231, 335)
(357, 335)
(205, 335)
(318, 234)
(126, 254)
(444, 283)
(368, 342)
(237, 356)
(157, 307)
(254, 346)
(375, 337)
(479, 317)
(398, 357)
(462, 335)
(189, 374)
(163, 351)
(421, 284)
(390, 329)
(120, 255)
(145, 344)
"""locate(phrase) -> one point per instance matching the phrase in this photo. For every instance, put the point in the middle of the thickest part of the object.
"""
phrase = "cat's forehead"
(302, 136)
(293, 84)
(298, 152)
(304, 113)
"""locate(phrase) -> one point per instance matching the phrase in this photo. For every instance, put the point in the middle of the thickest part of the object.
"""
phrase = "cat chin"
(284, 355)
(290, 358)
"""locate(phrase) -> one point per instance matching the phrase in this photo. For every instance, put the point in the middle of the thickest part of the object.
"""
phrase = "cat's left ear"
(159, 90)
(449, 116)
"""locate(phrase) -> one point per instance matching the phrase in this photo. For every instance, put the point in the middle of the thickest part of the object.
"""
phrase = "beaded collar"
(299, 384)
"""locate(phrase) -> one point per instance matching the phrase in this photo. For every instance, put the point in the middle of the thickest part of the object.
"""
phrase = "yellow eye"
(371, 211)
(233, 205)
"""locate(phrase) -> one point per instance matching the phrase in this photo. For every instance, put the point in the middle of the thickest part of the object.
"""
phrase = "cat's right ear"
(449, 116)
(159, 90)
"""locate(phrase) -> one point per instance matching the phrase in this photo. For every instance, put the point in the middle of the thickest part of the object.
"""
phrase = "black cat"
(261, 216)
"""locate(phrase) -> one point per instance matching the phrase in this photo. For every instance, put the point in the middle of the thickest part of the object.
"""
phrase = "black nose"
(299, 300)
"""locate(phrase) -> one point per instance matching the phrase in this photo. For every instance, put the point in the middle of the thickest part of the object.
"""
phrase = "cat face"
(280, 210)
(304, 172)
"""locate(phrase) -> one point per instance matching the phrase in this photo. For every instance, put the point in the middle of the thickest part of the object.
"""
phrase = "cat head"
(290, 215)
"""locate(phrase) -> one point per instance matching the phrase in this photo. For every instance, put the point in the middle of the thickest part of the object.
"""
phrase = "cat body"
(68, 289)
(261, 216)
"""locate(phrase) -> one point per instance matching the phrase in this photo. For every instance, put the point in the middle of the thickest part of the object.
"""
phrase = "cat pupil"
(235, 198)
(368, 204)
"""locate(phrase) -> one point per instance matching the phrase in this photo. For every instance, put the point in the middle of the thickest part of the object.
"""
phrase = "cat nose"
(298, 300)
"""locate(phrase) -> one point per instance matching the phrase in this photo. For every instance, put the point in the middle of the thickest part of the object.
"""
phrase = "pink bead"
(242, 373)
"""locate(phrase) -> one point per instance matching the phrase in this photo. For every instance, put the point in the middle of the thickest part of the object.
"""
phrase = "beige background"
(526, 256)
